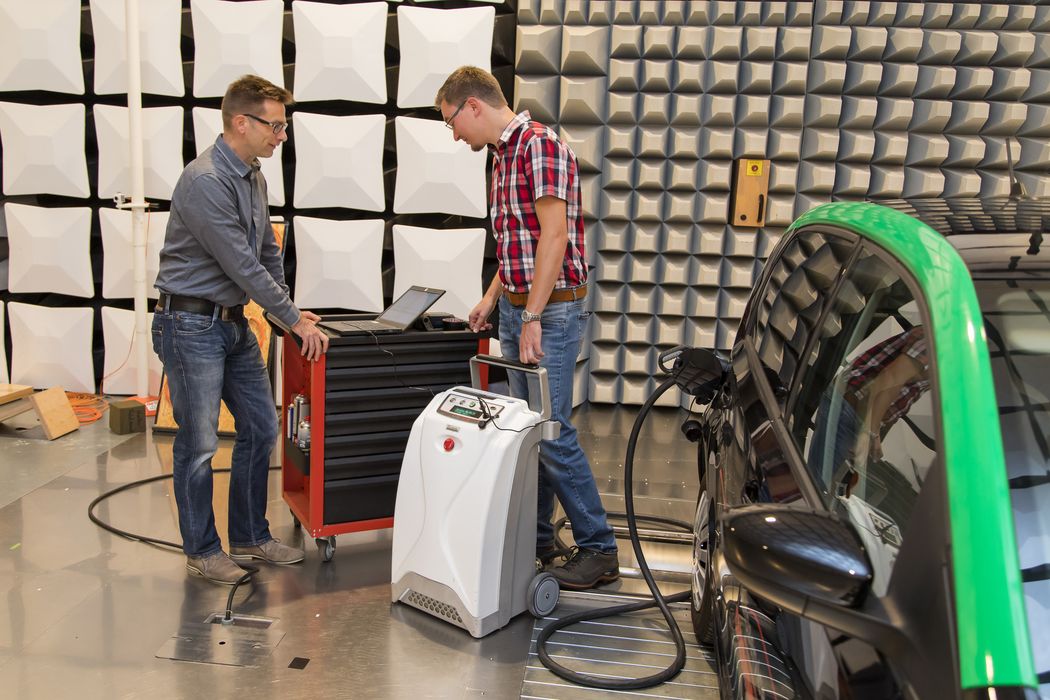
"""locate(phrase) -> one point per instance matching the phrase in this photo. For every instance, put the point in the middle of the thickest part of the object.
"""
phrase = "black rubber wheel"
(294, 519)
(326, 546)
(701, 606)
(543, 594)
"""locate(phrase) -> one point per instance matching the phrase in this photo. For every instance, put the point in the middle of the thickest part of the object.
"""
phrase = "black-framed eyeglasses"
(448, 122)
(277, 127)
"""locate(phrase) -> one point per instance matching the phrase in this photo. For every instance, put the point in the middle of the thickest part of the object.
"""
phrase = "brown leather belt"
(520, 298)
(174, 302)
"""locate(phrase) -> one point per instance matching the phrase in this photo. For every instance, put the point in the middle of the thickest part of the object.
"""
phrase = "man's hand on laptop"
(315, 342)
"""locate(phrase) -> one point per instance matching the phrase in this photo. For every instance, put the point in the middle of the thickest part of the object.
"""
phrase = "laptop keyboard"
(372, 326)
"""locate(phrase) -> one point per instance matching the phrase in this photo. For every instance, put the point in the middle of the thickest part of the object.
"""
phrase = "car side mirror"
(789, 553)
(813, 564)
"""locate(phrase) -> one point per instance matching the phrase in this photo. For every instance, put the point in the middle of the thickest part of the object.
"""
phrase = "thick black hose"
(682, 525)
(249, 571)
(134, 537)
(658, 598)
(124, 533)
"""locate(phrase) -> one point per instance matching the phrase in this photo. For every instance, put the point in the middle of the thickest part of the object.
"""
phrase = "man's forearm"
(495, 289)
(550, 251)
(549, 257)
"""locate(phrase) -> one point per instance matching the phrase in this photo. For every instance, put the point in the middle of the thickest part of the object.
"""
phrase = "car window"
(862, 414)
(1017, 326)
(777, 484)
(797, 287)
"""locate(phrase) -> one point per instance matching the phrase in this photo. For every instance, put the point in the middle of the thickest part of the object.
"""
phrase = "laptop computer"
(396, 318)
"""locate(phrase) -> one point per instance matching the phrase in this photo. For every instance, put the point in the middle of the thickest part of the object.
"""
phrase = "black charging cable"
(700, 374)
(135, 537)
(488, 417)
(393, 361)
(659, 600)
(681, 525)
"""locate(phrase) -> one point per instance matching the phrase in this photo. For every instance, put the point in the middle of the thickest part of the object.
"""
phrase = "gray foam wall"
(849, 100)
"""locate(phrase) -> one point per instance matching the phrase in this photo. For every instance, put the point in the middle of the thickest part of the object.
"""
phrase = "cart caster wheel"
(543, 594)
(295, 520)
(326, 546)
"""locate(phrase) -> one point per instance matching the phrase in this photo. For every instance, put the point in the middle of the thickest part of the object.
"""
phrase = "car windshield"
(1017, 323)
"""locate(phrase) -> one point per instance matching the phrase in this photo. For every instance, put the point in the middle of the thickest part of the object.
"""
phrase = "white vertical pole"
(138, 189)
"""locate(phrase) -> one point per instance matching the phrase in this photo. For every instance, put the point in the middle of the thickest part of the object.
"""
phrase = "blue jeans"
(207, 359)
(564, 470)
(827, 462)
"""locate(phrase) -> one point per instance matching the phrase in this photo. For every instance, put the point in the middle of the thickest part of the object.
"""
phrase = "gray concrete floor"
(87, 612)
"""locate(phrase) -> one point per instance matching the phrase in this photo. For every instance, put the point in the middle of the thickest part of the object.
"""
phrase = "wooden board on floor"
(55, 412)
(13, 392)
(14, 408)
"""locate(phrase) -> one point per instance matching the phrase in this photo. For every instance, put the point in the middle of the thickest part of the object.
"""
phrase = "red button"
(449, 444)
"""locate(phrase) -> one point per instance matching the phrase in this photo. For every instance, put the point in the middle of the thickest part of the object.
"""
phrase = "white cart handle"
(539, 372)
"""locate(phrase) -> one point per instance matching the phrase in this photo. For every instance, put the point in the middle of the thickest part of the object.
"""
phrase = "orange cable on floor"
(88, 408)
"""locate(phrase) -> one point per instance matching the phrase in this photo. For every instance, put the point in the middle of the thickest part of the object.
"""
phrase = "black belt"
(193, 305)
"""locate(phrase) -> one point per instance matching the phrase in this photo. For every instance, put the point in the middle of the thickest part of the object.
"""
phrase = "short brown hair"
(246, 95)
(470, 81)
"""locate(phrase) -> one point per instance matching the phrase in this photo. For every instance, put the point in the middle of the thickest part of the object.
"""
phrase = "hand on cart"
(314, 341)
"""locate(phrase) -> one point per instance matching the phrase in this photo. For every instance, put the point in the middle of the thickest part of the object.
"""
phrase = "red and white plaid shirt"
(530, 162)
(875, 359)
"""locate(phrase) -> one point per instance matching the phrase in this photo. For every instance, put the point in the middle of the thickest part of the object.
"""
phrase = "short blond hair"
(470, 81)
(247, 94)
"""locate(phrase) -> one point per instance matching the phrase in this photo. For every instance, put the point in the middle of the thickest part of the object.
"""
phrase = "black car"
(873, 519)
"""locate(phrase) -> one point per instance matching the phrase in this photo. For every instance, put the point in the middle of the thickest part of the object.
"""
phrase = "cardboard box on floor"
(51, 405)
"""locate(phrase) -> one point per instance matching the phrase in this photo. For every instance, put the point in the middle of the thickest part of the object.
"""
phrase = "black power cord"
(487, 416)
(393, 361)
(658, 598)
(135, 537)
(682, 525)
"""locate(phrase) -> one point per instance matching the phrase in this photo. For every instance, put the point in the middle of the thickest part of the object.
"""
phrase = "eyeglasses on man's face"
(448, 122)
(277, 127)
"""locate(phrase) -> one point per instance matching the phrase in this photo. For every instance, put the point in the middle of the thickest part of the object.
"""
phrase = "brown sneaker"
(272, 552)
(586, 568)
(217, 568)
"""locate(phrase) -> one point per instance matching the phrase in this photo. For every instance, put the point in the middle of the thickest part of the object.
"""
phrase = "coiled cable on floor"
(658, 598)
(88, 408)
(135, 537)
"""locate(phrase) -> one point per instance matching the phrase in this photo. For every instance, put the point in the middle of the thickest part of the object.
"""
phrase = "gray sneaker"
(273, 552)
(586, 568)
(217, 568)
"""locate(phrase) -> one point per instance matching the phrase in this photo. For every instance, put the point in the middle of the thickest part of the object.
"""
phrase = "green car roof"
(992, 627)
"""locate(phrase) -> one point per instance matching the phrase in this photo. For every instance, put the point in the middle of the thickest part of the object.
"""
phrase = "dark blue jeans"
(564, 470)
(827, 462)
(205, 360)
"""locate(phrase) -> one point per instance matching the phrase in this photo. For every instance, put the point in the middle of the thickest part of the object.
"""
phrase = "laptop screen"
(410, 306)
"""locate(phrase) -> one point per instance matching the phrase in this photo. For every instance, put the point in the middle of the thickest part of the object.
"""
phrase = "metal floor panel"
(85, 612)
(30, 460)
(622, 646)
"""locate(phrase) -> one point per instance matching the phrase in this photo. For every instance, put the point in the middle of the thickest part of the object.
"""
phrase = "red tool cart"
(339, 471)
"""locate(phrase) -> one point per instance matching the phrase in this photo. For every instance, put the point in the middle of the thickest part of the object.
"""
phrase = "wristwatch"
(528, 317)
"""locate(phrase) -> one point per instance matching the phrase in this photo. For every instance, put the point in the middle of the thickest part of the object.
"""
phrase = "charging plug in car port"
(697, 372)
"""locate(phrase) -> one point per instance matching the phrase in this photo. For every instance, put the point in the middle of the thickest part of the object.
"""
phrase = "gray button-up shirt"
(218, 211)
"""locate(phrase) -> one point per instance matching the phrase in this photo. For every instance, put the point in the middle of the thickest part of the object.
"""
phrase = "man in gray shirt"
(219, 252)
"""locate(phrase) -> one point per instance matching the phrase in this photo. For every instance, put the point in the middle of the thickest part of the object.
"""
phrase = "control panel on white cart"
(470, 408)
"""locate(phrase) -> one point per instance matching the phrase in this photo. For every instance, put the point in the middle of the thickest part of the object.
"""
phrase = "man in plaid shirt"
(879, 387)
(542, 280)
(887, 379)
